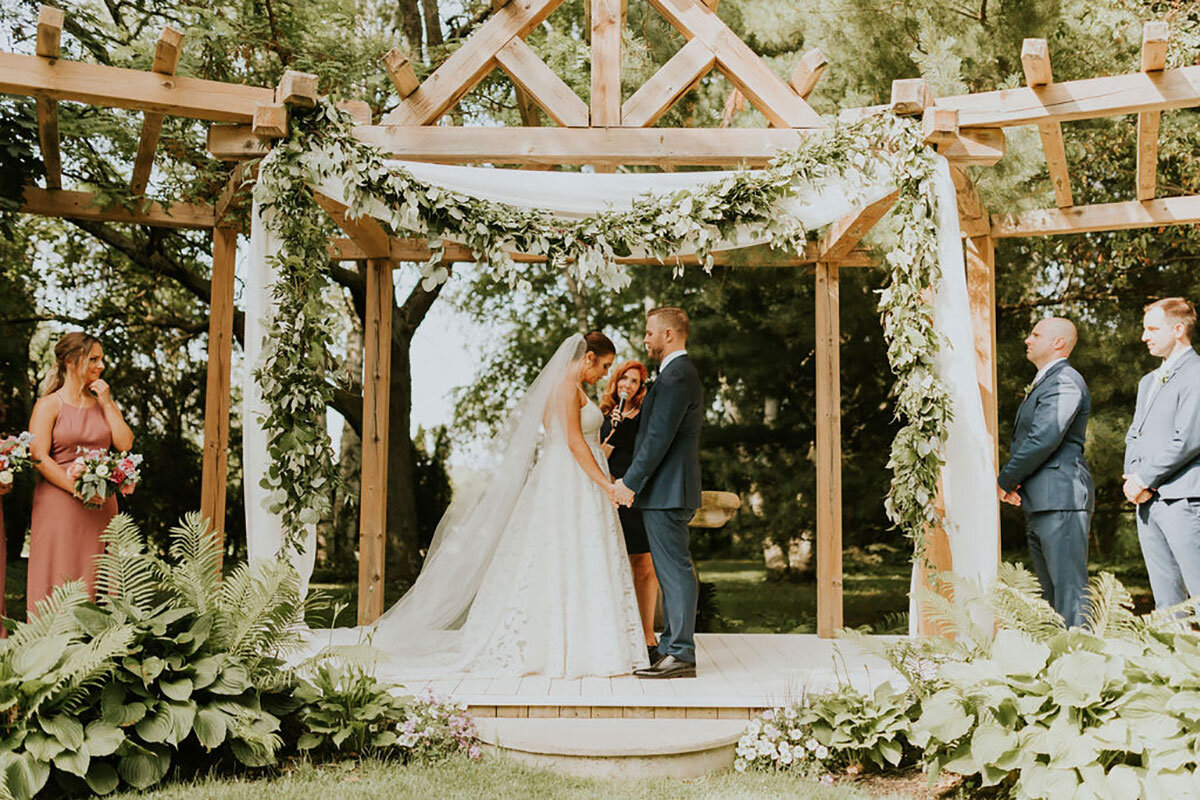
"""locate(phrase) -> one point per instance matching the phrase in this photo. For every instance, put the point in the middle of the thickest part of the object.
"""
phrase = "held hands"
(1134, 491)
(621, 494)
(1012, 498)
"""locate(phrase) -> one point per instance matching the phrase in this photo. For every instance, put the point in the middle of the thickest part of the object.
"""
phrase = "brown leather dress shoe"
(668, 667)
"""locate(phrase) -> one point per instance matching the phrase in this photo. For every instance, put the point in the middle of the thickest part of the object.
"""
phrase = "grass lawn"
(493, 778)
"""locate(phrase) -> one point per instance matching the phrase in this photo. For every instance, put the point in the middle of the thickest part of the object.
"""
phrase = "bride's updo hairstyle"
(599, 344)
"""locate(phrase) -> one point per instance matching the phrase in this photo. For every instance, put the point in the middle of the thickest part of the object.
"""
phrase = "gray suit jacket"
(1046, 456)
(665, 472)
(1163, 444)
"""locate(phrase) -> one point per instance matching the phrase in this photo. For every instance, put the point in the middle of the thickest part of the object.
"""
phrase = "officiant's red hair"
(609, 400)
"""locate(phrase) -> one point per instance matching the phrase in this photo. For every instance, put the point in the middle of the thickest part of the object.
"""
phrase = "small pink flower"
(126, 465)
(118, 476)
(75, 470)
(128, 488)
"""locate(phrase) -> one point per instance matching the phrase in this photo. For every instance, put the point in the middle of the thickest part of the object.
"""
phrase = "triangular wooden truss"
(500, 43)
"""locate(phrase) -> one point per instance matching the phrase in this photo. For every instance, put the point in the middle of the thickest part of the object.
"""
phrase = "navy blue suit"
(665, 479)
(1046, 461)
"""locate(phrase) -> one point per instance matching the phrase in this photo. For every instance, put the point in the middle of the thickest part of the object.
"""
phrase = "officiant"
(621, 404)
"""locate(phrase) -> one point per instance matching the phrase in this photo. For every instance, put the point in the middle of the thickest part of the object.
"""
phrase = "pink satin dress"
(3, 565)
(64, 537)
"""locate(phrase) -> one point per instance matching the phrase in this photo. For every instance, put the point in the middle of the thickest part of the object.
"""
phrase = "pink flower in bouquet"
(76, 469)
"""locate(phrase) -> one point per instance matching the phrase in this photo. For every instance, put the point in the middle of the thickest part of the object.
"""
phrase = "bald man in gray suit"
(1046, 473)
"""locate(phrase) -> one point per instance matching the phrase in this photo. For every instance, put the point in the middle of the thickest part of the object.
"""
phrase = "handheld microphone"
(624, 395)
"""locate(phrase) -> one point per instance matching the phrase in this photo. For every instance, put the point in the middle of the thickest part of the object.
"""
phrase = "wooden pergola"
(606, 132)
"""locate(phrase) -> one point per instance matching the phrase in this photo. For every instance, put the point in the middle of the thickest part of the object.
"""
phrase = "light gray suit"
(1046, 462)
(1162, 449)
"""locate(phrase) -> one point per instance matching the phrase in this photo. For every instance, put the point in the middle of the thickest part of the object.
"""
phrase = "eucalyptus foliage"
(322, 150)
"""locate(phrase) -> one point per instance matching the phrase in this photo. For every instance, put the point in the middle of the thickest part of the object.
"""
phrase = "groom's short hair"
(1176, 310)
(674, 318)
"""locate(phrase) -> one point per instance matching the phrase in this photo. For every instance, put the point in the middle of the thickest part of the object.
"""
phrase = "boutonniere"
(1028, 388)
(1166, 376)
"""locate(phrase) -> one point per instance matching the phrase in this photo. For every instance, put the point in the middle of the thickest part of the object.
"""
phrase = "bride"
(529, 574)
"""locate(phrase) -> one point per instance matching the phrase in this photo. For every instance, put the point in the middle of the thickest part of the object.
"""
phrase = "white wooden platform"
(738, 675)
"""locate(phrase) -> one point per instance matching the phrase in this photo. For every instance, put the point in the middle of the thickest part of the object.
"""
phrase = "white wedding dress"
(530, 576)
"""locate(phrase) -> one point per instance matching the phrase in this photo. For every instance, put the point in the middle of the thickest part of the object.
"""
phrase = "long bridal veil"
(423, 622)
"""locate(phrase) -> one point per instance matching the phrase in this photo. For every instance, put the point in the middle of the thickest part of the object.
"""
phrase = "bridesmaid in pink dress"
(77, 410)
(5, 488)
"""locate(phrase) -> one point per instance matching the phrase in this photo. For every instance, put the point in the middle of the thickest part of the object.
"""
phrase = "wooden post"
(829, 454)
(216, 398)
(981, 294)
(608, 17)
(377, 374)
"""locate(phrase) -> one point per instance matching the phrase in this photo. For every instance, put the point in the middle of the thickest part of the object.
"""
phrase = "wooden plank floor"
(738, 675)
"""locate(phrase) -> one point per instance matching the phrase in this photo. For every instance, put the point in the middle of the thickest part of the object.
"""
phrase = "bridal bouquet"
(14, 457)
(98, 474)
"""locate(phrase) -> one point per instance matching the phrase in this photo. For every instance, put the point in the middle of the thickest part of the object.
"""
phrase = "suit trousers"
(1169, 532)
(1058, 548)
(667, 529)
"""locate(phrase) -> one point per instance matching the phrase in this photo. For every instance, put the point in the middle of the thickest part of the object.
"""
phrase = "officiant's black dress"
(622, 455)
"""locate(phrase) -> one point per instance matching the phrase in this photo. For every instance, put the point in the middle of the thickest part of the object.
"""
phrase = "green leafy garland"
(321, 149)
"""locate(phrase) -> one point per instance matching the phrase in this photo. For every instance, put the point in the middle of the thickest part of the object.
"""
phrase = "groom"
(665, 478)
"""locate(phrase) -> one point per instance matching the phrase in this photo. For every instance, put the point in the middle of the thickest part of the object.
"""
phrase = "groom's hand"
(622, 493)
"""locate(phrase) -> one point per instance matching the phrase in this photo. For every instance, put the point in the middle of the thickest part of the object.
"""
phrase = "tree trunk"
(408, 14)
(403, 558)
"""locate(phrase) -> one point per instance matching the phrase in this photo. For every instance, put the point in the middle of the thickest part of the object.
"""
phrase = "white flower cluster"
(777, 740)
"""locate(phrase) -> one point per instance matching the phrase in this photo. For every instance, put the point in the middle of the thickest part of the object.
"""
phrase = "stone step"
(610, 748)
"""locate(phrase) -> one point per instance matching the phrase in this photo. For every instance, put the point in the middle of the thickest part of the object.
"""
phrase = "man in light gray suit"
(1046, 473)
(1162, 454)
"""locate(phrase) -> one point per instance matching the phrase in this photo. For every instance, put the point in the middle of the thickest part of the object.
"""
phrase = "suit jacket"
(665, 472)
(1163, 444)
(1046, 456)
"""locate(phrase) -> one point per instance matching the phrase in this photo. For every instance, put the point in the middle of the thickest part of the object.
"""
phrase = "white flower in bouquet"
(102, 470)
(6, 477)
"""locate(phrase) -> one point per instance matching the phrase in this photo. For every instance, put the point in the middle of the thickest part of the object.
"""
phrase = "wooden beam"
(359, 110)
(1101, 217)
(377, 368)
(939, 125)
(49, 31)
(401, 71)
(842, 236)
(344, 249)
(1155, 37)
(1155, 41)
(608, 20)
(973, 219)
(82, 205)
(981, 295)
(977, 147)
(829, 452)
(216, 394)
(118, 87)
(166, 57)
(459, 73)
(1035, 58)
(235, 143)
(234, 185)
(1083, 99)
(366, 232)
(812, 65)
(741, 65)
(539, 82)
(270, 121)
(47, 122)
(672, 80)
(297, 89)
(911, 96)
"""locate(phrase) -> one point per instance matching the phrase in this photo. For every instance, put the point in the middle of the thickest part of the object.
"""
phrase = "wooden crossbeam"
(459, 73)
(842, 236)
(781, 105)
(1100, 217)
(1035, 58)
(608, 20)
(84, 205)
(344, 249)
(672, 80)
(49, 40)
(234, 185)
(1154, 59)
(117, 87)
(911, 96)
(366, 231)
(1082, 99)
(539, 82)
(166, 58)
(812, 65)
(270, 121)
(973, 219)
(401, 71)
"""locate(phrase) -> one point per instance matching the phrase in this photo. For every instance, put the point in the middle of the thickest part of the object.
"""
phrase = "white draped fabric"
(968, 480)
